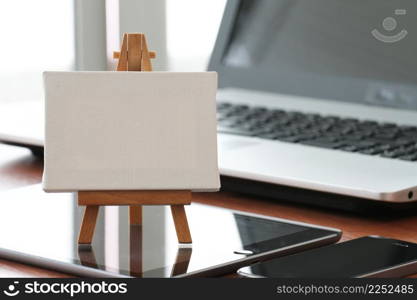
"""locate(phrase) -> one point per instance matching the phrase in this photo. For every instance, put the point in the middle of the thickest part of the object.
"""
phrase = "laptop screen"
(355, 51)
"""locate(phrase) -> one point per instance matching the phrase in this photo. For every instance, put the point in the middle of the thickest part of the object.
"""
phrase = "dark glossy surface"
(354, 258)
(48, 227)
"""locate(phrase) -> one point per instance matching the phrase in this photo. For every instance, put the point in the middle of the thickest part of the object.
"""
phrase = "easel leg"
(135, 215)
(181, 224)
(87, 257)
(135, 251)
(182, 261)
(88, 225)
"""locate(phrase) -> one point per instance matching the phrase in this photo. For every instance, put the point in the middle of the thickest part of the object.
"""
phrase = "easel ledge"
(134, 197)
(92, 200)
(134, 56)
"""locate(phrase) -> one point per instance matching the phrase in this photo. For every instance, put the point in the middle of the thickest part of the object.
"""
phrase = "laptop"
(319, 95)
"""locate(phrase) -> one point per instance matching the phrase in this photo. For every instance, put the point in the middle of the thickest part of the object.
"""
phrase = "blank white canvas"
(130, 131)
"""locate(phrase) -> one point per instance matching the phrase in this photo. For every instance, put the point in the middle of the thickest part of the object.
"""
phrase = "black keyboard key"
(365, 134)
(346, 130)
(387, 136)
(349, 148)
(247, 126)
(362, 144)
(223, 105)
(240, 108)
(372, 151)
(304, 137)
(327, 139)
(403, 151)
(408, 157)
(236, 131)
(268, 136)
(290, 139)
(403, 142)
(388, 125)
(228, 123)
(312, 117)
(369, 123)
(390, 154)
(325, 127)
(386, 147)
(354, 138)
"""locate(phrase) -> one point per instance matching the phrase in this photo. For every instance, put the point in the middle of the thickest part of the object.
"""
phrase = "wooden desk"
(18, 168)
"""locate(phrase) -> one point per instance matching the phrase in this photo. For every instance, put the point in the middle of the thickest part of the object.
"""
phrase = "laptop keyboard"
(331, 132)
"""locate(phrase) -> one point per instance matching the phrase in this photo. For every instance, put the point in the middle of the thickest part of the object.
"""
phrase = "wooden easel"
(134, 56)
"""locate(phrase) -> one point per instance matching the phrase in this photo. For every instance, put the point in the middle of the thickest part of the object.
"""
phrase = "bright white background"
(35, 36)
(39, 35)
(192, 27)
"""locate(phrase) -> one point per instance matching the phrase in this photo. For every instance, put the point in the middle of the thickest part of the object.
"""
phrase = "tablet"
(41, 229)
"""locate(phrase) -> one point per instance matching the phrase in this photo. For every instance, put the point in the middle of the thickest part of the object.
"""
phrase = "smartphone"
(366, 257)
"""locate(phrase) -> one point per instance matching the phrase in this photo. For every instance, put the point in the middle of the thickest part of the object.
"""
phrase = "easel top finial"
(134, 54)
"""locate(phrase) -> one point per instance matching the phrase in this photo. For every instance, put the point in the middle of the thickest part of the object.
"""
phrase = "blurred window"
(35, 36)
(192, 27)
